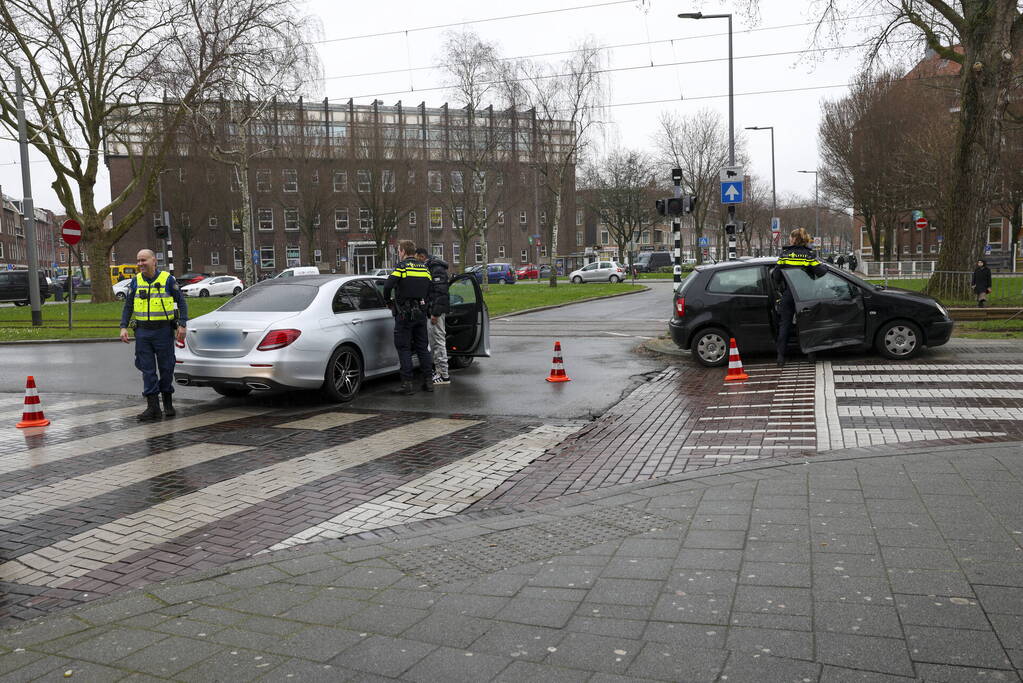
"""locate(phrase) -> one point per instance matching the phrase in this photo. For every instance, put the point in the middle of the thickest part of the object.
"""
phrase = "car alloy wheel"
(344, 375)
(614, 279)
(899, 340)
(577, 280)
(502, 281)
(204, 292)
(237, 291)
(120, 296)
(711, 347)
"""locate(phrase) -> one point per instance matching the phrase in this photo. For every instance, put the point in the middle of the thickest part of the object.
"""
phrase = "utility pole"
(28, 208)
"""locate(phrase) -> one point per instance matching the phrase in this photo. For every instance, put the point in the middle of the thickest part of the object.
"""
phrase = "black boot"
(781, 361)
(168, 405)
(152, 411)
(405, 389)
(428, 384)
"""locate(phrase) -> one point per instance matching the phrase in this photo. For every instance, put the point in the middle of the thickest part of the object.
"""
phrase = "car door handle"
(355, 321)
(805, 310)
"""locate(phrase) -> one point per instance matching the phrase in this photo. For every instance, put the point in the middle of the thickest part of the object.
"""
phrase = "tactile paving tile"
(483, 555)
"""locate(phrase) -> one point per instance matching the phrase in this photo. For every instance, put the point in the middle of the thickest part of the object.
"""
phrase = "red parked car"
(190, 278)
(531, 271)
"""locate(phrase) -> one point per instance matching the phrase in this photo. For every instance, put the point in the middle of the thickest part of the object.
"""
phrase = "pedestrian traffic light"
(676, 206)
(162, 231)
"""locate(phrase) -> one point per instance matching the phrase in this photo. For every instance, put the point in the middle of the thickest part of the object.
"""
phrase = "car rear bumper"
(939, 333)
(679, 333)
(280, 371)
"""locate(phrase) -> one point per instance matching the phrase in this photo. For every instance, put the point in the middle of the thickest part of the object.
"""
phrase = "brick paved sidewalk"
(862, 566)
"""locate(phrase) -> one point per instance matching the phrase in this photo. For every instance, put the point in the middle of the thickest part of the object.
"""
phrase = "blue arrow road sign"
(704, 241)
(731, 192)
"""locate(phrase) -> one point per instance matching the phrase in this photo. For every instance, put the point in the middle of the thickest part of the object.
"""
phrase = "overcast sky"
(785, 26)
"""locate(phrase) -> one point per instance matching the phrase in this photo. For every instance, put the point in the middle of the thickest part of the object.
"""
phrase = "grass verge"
(990, 329)
(98, 321)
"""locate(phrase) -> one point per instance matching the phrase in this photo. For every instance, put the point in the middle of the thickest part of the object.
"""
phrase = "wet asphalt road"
(598, 342)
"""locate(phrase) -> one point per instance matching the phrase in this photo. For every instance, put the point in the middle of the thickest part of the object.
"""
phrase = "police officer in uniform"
(410, 285)
(151, 297)
(797, 255)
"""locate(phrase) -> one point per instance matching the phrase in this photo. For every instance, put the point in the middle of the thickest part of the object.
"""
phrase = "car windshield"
(273, 298)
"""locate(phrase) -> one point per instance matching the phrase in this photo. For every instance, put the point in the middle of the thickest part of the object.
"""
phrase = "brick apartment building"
(329, 171)
(13, 246)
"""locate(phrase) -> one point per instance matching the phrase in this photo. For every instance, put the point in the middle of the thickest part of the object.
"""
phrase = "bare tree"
(307, 188)
(620, 190)
(756, 216)
(384, 195)
(697, 144)
(91, 65)
(566, 99)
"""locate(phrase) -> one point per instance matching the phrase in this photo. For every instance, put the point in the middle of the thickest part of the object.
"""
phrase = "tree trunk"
(554, 233)
(984, 96)
(99, 262)
(248, 265)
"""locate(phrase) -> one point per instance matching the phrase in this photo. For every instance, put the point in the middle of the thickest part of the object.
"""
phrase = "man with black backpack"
(437, 308)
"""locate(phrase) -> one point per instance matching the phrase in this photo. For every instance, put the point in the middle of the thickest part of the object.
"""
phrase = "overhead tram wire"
(618, 69)
(643, 43)
(472, 21)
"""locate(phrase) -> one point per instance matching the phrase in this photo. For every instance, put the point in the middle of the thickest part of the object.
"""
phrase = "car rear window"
(686, 283)
(738, 281)
(266, 298)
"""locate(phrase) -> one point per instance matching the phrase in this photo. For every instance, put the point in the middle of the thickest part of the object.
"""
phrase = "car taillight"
(680, 306)
(278, 339)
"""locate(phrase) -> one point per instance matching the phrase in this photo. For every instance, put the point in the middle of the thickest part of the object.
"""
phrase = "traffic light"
(676, 206)
(162, 231)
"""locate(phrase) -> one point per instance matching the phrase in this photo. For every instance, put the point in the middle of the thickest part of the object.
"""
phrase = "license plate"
(221, 339)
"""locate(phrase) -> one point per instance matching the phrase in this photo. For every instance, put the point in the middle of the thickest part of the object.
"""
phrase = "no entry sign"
(71, 231)
(921, 223)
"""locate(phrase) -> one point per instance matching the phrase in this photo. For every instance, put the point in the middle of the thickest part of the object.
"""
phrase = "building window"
(316, 221)
(411, 218)
(919, 248)
(266, 258)
(411, 177)
(523, 218)
(63, 254)
(317, 255)
(578, 238)
(185, 221)
(238, 258)
(459, 217)
(543, 250)
(211, 177)
(500, 251)
(365, 180)
(387, 181)
(235, 185)
(314, 177)
(290, 180)
(437, 250)
(658, 237)
(434, 181)
(479, 182)
(934, 248)
(265, 219)
(263, 180)
(340, 181)
(578, 216)
(340, 256)
(543, 218)
(523, 256)
(365, 220)
(479, 252)
(905, 248)
(605, 238)
(236, 220)
(340, 219)
(994, 234)
(213, 222)
(645, 237)
(214, 258)
(293, 256)
(188, 264)
(291, 219)
(436, 218)
(500, 217)
(456, 252)
(457, 182)
(156, 220)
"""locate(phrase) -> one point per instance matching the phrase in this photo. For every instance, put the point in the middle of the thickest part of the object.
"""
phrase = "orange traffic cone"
(558, 367)
(735, 370)
(33, 413)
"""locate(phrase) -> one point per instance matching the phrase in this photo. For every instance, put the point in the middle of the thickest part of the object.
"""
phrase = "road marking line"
(325, 421)
(74, 490)
(929, 393)
(944, 413)
(122, 437)
(443, 492)
(951, 379)
(790, 438)
(76, 556)
(1007, 366)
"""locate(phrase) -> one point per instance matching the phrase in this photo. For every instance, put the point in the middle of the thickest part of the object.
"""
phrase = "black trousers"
(412, 337)
(786, 309)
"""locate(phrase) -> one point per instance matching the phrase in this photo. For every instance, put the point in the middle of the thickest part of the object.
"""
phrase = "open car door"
(829, 310)
(468, 323)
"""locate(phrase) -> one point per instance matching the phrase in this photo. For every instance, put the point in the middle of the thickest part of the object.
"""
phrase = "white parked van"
(299, 270)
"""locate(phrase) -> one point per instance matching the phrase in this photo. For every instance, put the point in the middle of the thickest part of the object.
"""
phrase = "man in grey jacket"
(438, 306)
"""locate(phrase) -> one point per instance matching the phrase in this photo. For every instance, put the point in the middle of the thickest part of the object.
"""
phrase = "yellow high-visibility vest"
(157, 304)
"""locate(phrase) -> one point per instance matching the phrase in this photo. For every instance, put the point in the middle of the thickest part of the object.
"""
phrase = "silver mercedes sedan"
(327, 332)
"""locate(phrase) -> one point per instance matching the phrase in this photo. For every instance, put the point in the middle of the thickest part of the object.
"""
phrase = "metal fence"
(1006, 289)
(895, 268)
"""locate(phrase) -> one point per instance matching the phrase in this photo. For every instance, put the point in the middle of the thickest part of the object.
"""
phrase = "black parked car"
(14, 287)
(81, 286)
(736, 299)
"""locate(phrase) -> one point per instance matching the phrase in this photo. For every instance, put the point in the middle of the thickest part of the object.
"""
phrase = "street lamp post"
(731, 116)
(816, 206)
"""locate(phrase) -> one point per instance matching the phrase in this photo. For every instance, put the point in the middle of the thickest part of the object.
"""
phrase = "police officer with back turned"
(797, 255)
(410, 284)
(151, 297)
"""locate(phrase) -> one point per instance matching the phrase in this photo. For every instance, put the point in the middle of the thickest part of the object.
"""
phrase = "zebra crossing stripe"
(929, 393)
(932, 412)
(70, 491)
(76, 556)
(52, 408)
(325, 421)
(121, 437)
(949, 379)
(443, 492)
(88, 418)
(1006, 366)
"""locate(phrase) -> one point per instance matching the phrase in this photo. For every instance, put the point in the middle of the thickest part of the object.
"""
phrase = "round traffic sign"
(921, 223)
(71, 231)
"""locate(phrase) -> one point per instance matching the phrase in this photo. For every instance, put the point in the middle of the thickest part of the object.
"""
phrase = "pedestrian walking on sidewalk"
(796, 255)
(155, 300)
(437, 309)
(410, 286)
(981, 282)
